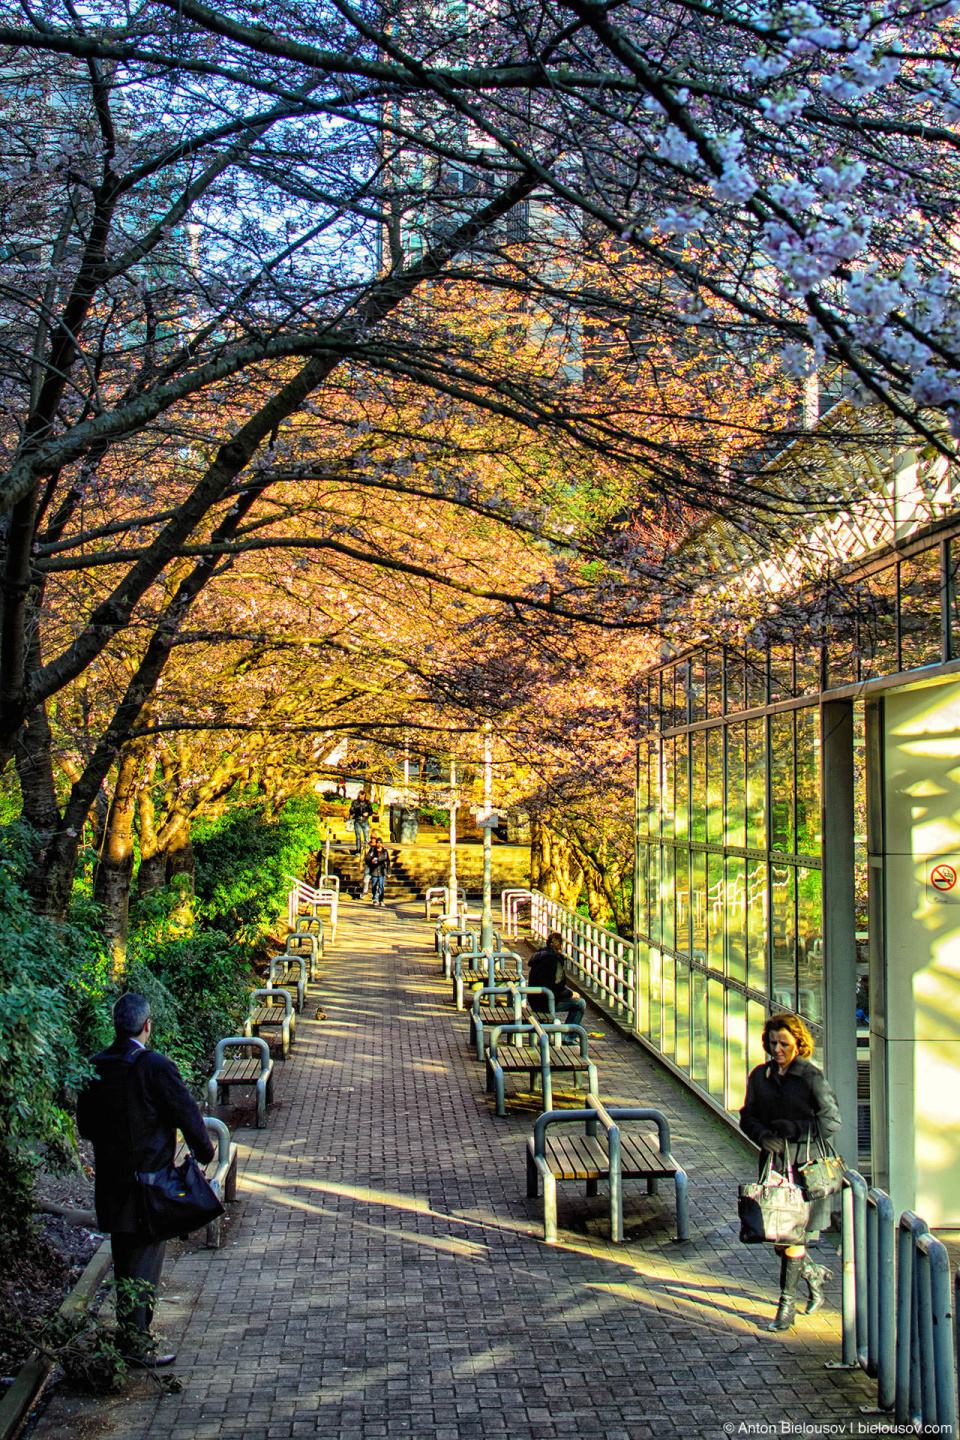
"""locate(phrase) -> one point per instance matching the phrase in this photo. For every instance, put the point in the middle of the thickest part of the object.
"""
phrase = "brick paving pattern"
(386, 1274)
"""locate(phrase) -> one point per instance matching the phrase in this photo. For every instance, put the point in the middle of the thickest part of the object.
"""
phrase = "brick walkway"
(384, 1275)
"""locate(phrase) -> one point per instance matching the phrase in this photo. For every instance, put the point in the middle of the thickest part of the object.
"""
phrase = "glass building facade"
(730, 811)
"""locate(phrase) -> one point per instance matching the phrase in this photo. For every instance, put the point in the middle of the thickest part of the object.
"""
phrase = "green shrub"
(54, 983)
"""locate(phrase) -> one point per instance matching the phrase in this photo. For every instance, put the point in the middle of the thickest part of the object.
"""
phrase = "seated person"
(547, 971)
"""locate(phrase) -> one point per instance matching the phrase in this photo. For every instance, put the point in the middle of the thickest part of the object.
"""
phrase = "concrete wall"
(915, 1001)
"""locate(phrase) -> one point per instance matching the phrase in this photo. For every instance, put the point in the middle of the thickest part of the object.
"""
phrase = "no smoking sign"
(943, 880)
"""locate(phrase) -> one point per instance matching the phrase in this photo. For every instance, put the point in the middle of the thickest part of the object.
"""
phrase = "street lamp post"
(453, 837)
(486, 918)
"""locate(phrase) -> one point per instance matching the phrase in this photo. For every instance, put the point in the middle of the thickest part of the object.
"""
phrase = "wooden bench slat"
(267, 1015)
(640, 1159)
(235, 1072)
(577, 1157)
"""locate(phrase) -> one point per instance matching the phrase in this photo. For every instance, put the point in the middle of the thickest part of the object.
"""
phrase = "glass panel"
(808, 670)
(667, 794)
(656, 1000)
(715, 1061)
(953, 580)
(643, 790)
(698, 1027)
(668, 1035)
(656, 787)
(682, 780)
(645, 717)
(808, 782)
(843, 647)
(757, 785)
(736, 918)
(697, 682)
(781, 783)
(757, 925)
(643, 888)
(643, 993)
(666, 896)
(877, 602)
(653, 890)
(682, 1007)
(715, 912)
(736, 692)
(698, 905)
(756, 1019)
(810, 947)
(781, 672)
(682, 884)
(920, 610)
(736, 1050)
(715, 785)
(756, 678)
(715, 684)
(736, 785)
(783, 937)
(698, 785)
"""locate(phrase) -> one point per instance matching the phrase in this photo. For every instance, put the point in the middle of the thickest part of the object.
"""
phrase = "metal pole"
(486, 917)
(326, 854)
(454, 907)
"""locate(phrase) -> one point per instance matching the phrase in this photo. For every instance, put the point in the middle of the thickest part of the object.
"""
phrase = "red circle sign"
(943, 877)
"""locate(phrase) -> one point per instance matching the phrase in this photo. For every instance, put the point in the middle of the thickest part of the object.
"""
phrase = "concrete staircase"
(349, 867)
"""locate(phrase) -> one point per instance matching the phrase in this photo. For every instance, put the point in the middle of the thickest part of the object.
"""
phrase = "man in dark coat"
(547, 971)
(131, 1112)
(360, 813)
(377, 865)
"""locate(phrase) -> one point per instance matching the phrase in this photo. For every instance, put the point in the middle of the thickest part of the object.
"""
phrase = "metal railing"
(601, 960)
(897, 1317)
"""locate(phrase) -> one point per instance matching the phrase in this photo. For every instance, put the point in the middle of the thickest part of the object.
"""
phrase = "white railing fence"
(600, 960)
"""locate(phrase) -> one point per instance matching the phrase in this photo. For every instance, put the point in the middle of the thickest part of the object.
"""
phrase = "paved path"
(385, 1274)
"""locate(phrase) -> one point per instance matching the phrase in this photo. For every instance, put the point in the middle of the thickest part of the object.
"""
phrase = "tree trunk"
(111, 881)
(180, 871)
(561, 877)
(152, 874)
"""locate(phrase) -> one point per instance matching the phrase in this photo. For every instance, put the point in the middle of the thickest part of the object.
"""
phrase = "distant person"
(378, 863)
(360, 813)
(132, 1112)
(341, 785)
(548, 971)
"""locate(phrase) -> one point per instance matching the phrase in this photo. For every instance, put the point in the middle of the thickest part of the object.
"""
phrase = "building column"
(839, 917)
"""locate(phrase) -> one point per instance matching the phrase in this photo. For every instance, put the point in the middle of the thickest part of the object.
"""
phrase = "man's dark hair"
(554, 940)
(130, 1014)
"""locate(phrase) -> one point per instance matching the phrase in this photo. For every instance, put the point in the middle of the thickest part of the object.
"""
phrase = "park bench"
(221, 1172)
(440, 895)
(302, 942)
(613, 1156)
(543, 1058)
(242, 1071)
(463, 941)
(289, 972)
(275, 1013)
(501, 1005)
(471, 967)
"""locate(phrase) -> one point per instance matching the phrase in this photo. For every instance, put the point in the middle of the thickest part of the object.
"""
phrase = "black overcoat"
(803, 1104)
(131, 1112)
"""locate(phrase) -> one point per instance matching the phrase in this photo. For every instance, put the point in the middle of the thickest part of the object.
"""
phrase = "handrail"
(600, 959)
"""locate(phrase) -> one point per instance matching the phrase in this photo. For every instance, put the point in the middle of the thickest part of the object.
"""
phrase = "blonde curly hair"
(797, 1029)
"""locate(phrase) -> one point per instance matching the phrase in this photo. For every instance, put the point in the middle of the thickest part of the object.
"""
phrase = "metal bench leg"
(546, 1084)
(285, 1039)
(593, 1187)
(230, 1183)
(498, 1090)
(616, 1204)
(653, 1187)
(550, 1209)
(478, 1036)
(269, 1087)
(212, 1096)
(683, 1205)
(261, 1103)
(533, 1178)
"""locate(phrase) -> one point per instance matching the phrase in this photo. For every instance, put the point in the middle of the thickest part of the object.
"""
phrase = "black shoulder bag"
(175, 1200)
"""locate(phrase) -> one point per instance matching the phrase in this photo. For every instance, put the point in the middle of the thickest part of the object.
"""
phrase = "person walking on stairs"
(377, 861)
(359, 816)
(789, 1104)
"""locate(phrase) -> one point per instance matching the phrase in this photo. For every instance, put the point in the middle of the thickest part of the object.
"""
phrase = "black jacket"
(546, 970)
(131, 1112)
(789, 1107)
(361, 808)
(377, 861)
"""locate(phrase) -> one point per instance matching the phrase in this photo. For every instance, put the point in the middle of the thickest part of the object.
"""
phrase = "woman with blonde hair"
(788, 1103)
